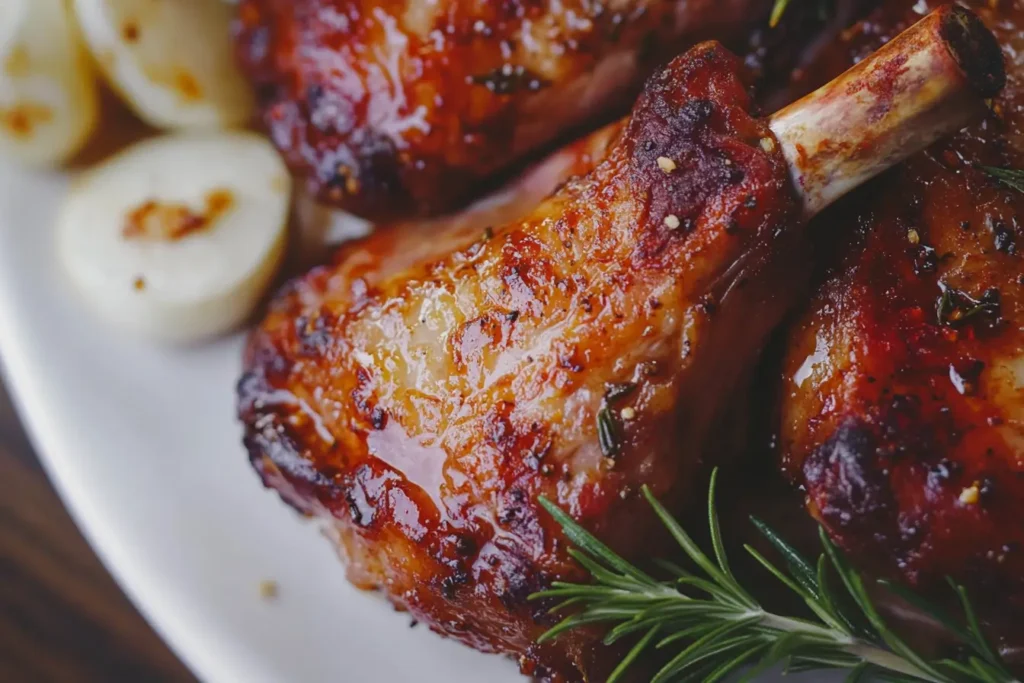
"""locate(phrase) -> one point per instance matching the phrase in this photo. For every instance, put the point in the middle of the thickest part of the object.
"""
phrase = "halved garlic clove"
(171, 60)
(49, 104)
(178, 237)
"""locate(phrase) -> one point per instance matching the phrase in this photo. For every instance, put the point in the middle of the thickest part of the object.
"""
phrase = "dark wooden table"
(62, 618)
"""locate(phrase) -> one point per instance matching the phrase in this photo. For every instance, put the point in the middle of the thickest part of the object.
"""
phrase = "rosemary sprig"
(778, 9)
(709, 626)
(825, 9)
(955, 307)
(1010, 177)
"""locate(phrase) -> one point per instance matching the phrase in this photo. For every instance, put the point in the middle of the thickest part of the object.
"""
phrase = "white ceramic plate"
(143, 446)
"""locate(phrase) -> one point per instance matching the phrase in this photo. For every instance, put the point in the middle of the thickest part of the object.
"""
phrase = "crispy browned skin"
(421, 404)
(399, 108)
(903, 405)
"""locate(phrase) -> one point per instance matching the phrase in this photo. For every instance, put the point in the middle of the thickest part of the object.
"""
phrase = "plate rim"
(48, 446)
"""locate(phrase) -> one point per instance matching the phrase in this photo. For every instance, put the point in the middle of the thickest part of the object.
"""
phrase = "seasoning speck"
(970, 495)
(130, 32)
(268, 589)
(913, 236)
(671, 221)
(628, 413)
(607, 433)
(169, 221)
(139, 283)
(666, 164)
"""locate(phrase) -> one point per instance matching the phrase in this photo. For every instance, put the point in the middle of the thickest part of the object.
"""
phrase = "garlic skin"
(49, 99)
(177, 238)
(172, 61)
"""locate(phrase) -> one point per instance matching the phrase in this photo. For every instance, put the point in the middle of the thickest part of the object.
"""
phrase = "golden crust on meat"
(423, 404)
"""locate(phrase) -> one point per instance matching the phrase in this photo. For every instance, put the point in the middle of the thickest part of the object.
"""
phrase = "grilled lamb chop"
(404, 108)
(421, 405)
(903, 410)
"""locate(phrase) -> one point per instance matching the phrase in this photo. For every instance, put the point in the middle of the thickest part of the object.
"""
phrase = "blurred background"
(62, 617)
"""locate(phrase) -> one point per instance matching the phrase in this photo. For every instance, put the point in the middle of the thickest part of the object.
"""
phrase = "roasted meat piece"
(403, 108)
(903, 409)
(421, 397)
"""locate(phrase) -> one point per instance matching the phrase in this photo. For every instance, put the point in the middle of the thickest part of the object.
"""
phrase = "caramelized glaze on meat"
(399, 108)
(422, 403)
(904, 402)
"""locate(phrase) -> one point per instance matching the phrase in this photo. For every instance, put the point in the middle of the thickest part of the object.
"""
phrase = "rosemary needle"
(709, 626)
(778, 9)
(1010, 177)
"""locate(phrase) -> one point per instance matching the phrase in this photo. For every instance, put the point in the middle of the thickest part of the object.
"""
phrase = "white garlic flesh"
(178, 237)
(172, 61)
(49, 101)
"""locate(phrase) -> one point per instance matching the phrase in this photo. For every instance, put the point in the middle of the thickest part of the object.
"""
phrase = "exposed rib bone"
(927, 82)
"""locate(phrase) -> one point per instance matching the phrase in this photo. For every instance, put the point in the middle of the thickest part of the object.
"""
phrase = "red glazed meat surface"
(421, 395)
(903, 410)
(404, 108)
